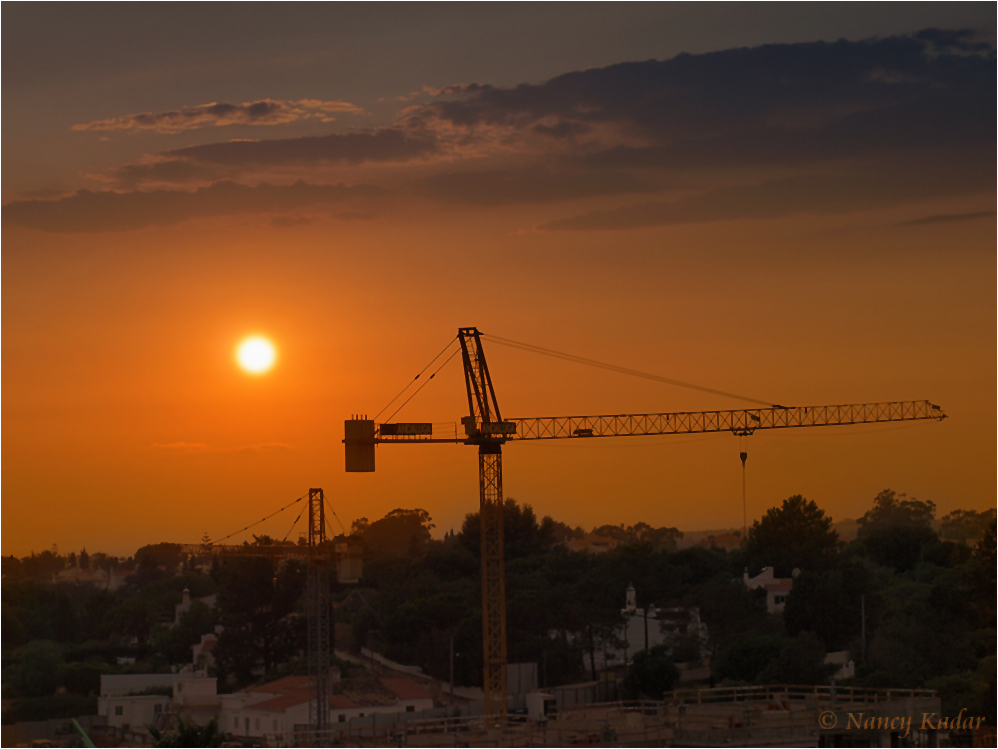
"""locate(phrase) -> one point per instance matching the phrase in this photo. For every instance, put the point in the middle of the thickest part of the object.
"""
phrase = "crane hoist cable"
(329, 506)
(427, 382)
(251, 525)
(409, 384)
(294, 524)
(622, 370)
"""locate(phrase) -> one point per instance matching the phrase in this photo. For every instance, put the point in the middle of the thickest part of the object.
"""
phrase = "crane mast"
(485, 428)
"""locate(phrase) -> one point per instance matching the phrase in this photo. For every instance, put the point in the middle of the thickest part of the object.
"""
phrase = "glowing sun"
(256, 354)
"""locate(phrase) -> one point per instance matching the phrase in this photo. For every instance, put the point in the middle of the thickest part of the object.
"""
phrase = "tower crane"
(486, 429)
(320, 555)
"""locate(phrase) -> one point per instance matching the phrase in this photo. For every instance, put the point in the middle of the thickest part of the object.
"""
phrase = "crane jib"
(738, 422)
(627, 425)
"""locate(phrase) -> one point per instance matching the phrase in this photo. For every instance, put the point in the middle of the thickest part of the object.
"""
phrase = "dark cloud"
(262, 112)
(385, 145)
(946, 218)
(529, 185)
(88, 211)
(811, 194)
(773, 104)
(289, 222)
(170, 171)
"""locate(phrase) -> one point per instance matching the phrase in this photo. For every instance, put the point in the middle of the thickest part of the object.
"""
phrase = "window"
(256, 724)
(275, 725)
(780, 599)
(341, 718)
(235, 722)
(410, 708)
(157, 709)
(247, 726)
(119, 709)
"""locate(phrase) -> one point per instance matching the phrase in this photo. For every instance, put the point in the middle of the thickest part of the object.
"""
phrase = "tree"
(745, 658)
(828, 603)
(40, 669)
(255, 603)
(521, 533)
(652, 673)
(891, 510)
(895, 531)
(801, 661)
(175, 642)
(189, 733)
(400, 532)
(966, 526)
(797, 534)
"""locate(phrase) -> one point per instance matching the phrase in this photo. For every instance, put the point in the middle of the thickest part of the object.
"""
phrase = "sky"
(794, 202)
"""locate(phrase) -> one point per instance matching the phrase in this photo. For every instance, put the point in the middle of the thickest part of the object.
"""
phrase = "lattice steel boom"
(318, 615)
(739, 422)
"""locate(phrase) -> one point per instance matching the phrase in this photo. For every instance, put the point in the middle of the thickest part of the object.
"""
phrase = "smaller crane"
(486, 429)
(319, 554)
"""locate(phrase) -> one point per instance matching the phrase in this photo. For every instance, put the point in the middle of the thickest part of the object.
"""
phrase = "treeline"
(925, 586)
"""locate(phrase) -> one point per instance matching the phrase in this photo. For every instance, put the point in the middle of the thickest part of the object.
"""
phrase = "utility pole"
(744, 457)
(862, 616)
(452, 669)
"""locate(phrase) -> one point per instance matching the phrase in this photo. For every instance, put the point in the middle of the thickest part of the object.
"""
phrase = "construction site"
(400, 705)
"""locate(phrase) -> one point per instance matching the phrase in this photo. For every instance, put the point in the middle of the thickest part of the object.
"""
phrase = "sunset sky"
(791, 202)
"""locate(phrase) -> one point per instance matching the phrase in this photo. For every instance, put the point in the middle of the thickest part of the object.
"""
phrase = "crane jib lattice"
(741, 421)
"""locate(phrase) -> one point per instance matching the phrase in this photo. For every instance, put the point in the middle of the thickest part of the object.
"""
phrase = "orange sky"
(825, 259)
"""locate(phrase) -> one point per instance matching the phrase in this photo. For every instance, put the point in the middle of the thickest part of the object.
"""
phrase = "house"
(203, 652)
(777, 588)
(643, 629)
(185, 603)
(140, 701)
(281, 706)
(845, 663)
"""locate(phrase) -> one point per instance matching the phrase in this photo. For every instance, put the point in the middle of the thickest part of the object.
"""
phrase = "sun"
(256, 354)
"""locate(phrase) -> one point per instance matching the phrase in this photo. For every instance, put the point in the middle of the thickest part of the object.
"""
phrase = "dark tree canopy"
(400, 532)
(966, 526)
(891, 510)
(652, 673)
(796, 535)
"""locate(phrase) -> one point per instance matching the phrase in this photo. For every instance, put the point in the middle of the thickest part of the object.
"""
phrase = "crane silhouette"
(486, 429)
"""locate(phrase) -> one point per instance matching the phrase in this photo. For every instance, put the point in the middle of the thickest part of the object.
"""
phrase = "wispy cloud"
(946, 218)
(806, 194)
(87, 211)
(221, 114)
(180, 446)
(201, 447)
(386, 144)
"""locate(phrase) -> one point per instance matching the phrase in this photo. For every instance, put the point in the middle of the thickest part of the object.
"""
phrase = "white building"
(643, 629)
(275, 710)
(138, 701)
(777, 588)
(185, 604)
(279, 708)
